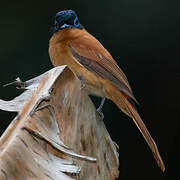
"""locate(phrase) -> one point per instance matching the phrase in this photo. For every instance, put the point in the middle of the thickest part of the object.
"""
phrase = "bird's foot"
(100, 113)
(82, 82)
(99, 109)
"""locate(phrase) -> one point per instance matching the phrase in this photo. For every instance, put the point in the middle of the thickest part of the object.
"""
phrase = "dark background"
(144, 38)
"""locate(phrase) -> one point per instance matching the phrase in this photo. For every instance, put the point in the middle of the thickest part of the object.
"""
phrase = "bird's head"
(65, 20)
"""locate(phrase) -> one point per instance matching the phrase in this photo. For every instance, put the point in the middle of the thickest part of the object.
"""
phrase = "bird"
(72, 45)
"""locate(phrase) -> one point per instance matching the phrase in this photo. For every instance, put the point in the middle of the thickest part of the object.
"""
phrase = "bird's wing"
(92, 55)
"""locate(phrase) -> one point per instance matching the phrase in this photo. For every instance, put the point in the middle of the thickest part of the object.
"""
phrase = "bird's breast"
(60, 55)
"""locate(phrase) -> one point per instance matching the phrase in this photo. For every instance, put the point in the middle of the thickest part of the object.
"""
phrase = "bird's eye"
(76, 22)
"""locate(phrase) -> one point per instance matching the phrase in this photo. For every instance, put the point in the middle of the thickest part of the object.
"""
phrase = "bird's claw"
(82, 82)
(99, 110)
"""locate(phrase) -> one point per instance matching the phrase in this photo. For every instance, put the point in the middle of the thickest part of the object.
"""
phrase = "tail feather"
(123, 103)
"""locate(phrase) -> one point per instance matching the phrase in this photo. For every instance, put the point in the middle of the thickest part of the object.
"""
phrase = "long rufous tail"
(123, 103)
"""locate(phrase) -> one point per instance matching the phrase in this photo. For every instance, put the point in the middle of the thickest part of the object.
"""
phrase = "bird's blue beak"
(66, 26)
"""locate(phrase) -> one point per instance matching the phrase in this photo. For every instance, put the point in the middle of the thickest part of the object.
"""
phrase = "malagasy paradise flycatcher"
(73, 46)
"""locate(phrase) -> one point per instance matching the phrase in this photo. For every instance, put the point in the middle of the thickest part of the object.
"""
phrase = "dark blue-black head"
(66, 19)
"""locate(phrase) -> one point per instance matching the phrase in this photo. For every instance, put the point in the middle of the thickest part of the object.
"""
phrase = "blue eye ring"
(76, 22)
